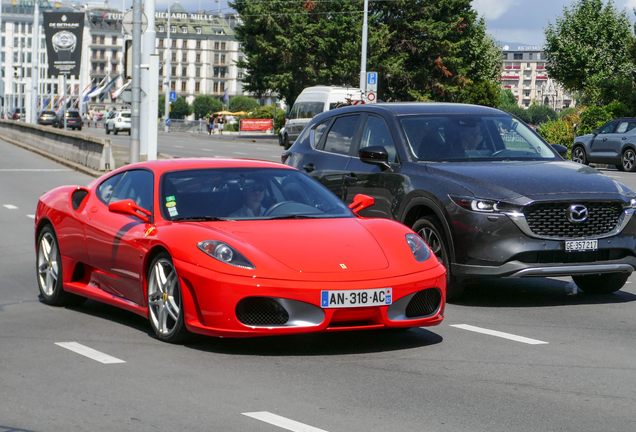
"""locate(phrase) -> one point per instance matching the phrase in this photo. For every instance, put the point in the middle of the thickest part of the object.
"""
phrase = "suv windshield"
(462, 137)
(246, 193)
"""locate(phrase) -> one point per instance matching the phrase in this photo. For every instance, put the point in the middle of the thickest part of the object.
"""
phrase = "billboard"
(63, 32)
(256, 124)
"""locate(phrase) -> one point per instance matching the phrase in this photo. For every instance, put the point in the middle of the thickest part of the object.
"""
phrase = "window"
(527, 64)
(184, 29)
(105, 191)
(198, 44)
(28, 72)
(135, 185)
(216, 72)
(184, 44)
(173, 86)
(2, 58)
(222, 87)
(216, 87)
(184, 57)
(608, 127)
(28, 57)
(222, 45)
(183, 86)
(114, 42)
(306, 110)
(197, 72)
(376, 133)
(174, 43)
(16, 42)
(161, 43)
(216, 58)
(29, 28)
(197, 87)
(113, 55)
(161, 30)
(529, 56)
(174, 71)
(216, 45)
(184, 71)
(42, 43)
(160, 72)
(173, 29)
(198, 29)
(16, 57)
(94, 40)
(29, 42)
(223, 70)
(198, 58)
(174, 56)
(622, 127)
(222, 58)
(317, 133)
(161, 56)
(102, 40)
(340, 136)
(518, 56)
(240, 75)
(4, 39)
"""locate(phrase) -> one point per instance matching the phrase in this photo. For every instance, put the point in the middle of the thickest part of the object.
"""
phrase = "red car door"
(114, 240)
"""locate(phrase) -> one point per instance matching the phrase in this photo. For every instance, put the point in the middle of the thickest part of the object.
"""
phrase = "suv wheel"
(629, 160)
(431, 231)
(107, 130)
(286, 143)
(601, 283)
(578, 155)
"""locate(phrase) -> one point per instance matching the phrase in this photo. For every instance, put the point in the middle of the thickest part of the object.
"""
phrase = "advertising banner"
(256, 124)
(63, 32)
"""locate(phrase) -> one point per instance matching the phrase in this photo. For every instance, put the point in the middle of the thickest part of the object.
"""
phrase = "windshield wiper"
(294, 217)
(198, 218)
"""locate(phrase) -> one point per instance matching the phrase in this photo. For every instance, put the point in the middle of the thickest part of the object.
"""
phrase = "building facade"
(524, 73)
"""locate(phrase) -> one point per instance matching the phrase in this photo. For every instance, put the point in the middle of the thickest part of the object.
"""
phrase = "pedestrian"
(207, 123)
(215, 122)
(221, 122)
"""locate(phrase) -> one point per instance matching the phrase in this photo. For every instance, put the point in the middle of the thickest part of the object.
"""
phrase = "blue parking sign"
(372, 78)
(173, 96)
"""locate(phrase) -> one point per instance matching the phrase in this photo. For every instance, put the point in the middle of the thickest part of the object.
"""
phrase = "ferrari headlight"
(225, 253)
(485, 205)
(420, 250)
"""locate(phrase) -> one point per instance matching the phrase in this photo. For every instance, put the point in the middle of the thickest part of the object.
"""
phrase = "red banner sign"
(256, 124)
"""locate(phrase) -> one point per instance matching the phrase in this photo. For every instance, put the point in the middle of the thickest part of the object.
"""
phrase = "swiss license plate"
(581, 245)
(356, 298)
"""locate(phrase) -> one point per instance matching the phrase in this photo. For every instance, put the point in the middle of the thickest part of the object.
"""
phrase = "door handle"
(604, 139)
(309, 167)
(351, 178)
(624, 138)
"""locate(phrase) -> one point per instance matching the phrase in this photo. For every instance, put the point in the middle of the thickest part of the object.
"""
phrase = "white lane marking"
(204, 149)
(89, 352)
(240, 153)
(177, 146)
(282, 422)
(32, 170)
(31, 216)
(499, 334)
(10, 206)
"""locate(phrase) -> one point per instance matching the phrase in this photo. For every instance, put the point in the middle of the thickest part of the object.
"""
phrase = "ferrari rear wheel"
(49, 271)
(431, 231)
(165, 307)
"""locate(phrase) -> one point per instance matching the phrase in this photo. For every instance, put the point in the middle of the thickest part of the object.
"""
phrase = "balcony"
(516, 67)
(510, 77)
(508, 67)
(542, 77)
(540, 67)
(99, 59)
(506, 86)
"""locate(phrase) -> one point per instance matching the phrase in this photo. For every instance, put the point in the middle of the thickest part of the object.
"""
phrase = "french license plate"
(581, 245)
(356, 298)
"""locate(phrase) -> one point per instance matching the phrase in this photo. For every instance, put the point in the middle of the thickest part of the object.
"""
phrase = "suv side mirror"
(130, 208)
(360, 202)
(375, 155)
(595, 131)
(561, 150)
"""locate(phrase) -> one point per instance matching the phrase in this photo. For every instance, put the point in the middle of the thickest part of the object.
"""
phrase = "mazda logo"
(577, 213)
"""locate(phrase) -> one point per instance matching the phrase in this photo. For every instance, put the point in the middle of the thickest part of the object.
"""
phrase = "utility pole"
(167, 66)
(149, 105)
(36, 72)
(363, 60)
(136, 79)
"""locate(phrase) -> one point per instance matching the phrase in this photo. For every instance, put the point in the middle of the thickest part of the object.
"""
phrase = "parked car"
(181, 244)
(614, 143)
(121, 121)
(47, 118)
(488, 195)
(18, 114)
(313, 101)
(73, 120)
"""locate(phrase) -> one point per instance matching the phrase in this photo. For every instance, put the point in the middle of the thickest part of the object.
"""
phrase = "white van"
(311, 102)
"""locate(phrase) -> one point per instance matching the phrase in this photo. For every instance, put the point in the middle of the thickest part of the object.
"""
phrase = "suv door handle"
(351, 178)
(624, 138)
(309, 167)
(604, 139)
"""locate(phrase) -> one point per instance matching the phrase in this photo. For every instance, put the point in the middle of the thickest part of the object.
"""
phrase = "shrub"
(517, 111)
(593, 118)
(561, 131)
(541, 113)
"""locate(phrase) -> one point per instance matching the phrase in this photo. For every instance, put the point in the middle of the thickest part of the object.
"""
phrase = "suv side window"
(376, 133)
(340, 136)
(137, 186)
(607, 128)
(622, 127)
(293, 114)
(308, 110)
(317, 133)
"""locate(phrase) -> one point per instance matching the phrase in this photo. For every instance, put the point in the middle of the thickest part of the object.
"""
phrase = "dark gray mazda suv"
(489, 196)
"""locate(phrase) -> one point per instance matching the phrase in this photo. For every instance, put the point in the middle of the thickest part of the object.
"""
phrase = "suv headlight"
(486, 206)
(420, 249)
(225, 253)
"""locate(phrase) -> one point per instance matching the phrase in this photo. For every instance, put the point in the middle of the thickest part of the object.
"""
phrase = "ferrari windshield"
(246, 193)
(464, 137)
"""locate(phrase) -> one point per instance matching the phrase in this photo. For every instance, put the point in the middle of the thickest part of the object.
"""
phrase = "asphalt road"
(576, 371)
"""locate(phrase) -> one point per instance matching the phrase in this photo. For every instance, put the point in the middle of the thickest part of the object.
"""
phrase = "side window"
(631, 126)
(340, 135)
(607, 128)
(293, 114)
(106, 189)
(376, 133)
(137, 186)
(307, 110)
(317, 133)
(622, 127)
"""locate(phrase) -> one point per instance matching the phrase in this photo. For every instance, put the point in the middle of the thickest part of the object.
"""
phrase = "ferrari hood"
(312, 245)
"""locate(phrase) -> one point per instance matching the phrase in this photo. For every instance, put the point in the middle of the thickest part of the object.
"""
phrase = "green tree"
(242, 103)
(587, 48)
(517, 111)
(507, 98)
(422, 50)
(593, 118)
(203, 104)
(541, 113)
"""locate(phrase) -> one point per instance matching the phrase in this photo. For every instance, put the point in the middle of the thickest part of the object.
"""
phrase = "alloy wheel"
(578, 155)
(164, 297)
(48, 258)
(629, 159)
(433, 241)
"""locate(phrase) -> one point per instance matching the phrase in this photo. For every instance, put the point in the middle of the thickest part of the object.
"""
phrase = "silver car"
(614, 143)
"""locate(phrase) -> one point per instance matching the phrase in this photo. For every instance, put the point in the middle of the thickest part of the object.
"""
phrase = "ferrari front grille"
(261, 311)
(424, 303)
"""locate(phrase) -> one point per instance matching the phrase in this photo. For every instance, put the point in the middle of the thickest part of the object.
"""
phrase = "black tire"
(115, 131)
(129, 132)
(578, 155)
(430, 229)
(601, 283)
(619, 167)
(79, 128)
(280, 140)
(107, 130)
(628, 160)
(165, 305)
(286, 143)
(48, 268)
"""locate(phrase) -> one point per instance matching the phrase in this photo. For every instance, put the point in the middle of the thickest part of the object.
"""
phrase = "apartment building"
(524, 73)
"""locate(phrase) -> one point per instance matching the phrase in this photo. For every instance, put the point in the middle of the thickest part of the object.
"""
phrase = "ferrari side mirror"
(360, 202)
(130, 208)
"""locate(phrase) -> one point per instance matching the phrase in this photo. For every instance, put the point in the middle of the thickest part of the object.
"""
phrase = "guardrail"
(88, 150)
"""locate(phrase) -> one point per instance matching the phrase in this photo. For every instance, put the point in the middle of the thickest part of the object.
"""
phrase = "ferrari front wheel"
(165, 306)
(49, 271)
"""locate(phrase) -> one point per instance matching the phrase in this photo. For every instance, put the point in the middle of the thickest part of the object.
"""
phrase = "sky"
(509, 21)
